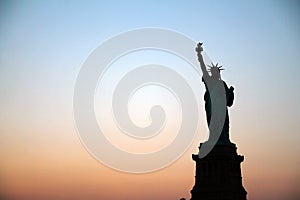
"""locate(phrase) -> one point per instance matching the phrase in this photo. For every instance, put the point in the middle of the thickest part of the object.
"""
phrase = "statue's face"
(216, 74)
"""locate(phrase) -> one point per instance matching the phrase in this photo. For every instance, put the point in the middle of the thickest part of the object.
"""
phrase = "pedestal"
(218, 175)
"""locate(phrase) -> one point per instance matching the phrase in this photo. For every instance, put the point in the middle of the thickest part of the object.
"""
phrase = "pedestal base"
(218, 175)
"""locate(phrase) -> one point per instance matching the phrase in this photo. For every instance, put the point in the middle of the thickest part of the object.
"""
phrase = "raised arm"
(199, 49)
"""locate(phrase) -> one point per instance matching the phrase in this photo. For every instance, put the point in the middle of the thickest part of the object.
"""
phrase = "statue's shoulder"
(225, 84)
(206, 78)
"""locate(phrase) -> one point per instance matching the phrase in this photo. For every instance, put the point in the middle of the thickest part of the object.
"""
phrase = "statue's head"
(215, 71)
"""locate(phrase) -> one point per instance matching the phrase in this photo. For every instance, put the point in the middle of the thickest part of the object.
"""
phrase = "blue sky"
(43, 44)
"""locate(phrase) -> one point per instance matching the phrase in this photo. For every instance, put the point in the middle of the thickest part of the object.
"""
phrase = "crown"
(215, 67)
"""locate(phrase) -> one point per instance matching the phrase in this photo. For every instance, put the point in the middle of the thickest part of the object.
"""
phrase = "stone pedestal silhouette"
(218, 175)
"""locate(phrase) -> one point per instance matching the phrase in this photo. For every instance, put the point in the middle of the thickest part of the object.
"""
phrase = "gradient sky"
(44, 43)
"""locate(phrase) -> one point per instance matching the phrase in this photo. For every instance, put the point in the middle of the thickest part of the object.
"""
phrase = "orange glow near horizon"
(32, 171)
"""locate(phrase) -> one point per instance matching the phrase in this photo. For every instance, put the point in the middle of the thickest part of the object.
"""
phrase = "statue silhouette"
(218, 173)
(214, 86)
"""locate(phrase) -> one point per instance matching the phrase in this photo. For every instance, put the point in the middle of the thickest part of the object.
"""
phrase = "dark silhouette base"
(218, 175)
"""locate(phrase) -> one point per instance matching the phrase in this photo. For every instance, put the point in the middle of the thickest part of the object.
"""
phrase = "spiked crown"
(214, 68)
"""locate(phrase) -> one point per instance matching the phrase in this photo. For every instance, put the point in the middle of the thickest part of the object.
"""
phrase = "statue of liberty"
(217, 98)
(218, 166)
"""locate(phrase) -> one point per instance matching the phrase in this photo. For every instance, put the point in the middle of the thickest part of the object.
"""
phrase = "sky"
(43, 45)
